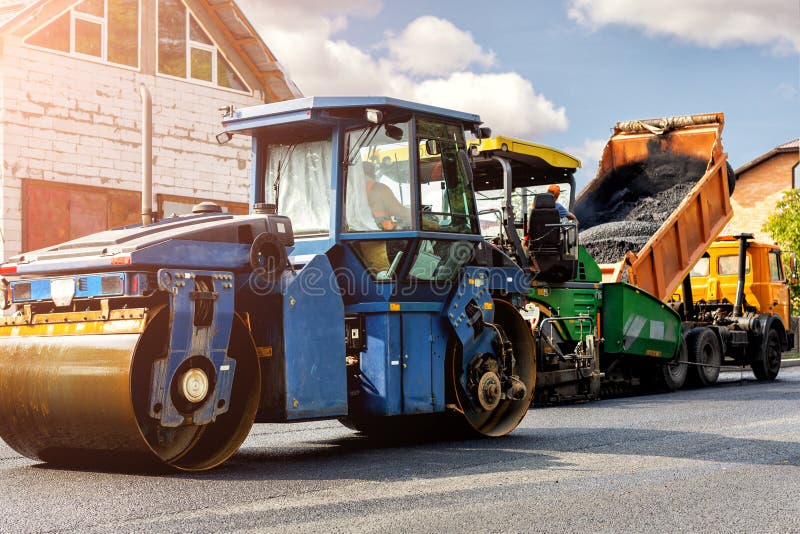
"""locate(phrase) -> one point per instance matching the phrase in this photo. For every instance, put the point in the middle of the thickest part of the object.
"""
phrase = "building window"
(106, 30)
(186, 51)
(796, 176)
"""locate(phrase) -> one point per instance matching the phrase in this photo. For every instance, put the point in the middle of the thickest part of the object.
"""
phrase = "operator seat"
(546, 242)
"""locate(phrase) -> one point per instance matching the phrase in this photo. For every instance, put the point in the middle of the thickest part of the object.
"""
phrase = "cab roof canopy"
(328, 110)
(531, 163)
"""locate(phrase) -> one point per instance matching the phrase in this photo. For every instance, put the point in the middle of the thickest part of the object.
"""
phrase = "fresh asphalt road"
(725, 458)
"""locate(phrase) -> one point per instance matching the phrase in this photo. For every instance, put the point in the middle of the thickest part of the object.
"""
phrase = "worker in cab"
(563, 212)
(389, 213)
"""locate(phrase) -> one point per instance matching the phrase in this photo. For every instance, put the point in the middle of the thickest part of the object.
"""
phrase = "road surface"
(725, 458)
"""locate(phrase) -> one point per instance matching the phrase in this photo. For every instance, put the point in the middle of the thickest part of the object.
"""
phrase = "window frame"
(410, 125)
(748, 265)
(778, 265)
(705, 273)
(471, 215)
(214, 48)
(76, 16)
(103, 37)
(263, 172)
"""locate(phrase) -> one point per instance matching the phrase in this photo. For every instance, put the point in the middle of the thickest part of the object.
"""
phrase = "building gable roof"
(791, 146)
(224, 13)
(11, 8)
(251, 47)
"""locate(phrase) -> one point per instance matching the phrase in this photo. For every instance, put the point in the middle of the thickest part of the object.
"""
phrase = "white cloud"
(711, 23)
(434, 46)
(302, 35)
(308, 14)
(512, 107)
(788, 91)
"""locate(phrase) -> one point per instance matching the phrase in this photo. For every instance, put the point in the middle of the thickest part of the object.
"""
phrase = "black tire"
(268, 256)
(508, 414)
(673, 375)
(704, 349)
(731, 178)
(767, 364)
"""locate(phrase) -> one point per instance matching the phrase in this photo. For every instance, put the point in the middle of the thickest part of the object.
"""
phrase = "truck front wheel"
(768, 362)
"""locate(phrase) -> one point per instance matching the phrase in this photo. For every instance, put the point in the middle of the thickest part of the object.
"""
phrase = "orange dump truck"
(716, 284)
(645, 160)
(660, 198)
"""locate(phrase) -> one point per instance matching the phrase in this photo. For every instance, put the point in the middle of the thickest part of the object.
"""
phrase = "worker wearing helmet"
(563, 212)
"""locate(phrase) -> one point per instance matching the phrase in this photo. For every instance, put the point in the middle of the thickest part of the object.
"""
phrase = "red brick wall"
(757, 191)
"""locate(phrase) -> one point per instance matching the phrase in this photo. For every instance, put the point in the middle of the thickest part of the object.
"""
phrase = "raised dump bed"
(661, 196)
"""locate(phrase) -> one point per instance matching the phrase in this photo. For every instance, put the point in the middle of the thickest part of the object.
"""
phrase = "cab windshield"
(377, 186)
(445, 190)
(380, 189)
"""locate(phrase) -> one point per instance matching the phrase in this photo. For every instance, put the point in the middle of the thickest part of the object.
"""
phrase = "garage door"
(53, 213)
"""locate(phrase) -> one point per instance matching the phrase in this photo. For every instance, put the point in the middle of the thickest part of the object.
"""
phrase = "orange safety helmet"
(554, 190)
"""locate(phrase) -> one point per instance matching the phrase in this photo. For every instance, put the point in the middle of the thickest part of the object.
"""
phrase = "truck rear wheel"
(672, 375)
(705, 351)
(767, 365)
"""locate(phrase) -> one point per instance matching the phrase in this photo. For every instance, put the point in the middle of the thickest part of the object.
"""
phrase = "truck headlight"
(62, 290)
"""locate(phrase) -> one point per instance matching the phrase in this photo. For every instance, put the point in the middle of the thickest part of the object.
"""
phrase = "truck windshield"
(298, 178)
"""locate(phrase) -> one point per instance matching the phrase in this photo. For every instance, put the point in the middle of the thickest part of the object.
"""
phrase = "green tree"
(784, 226)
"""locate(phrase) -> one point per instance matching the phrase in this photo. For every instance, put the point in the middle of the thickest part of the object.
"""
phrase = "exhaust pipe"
(738, 307)
(147, 155)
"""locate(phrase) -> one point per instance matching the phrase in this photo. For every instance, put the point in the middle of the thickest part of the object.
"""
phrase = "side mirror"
(432, 147)
(393, 132)
(484, 132)
(465, 164)
(793, 278)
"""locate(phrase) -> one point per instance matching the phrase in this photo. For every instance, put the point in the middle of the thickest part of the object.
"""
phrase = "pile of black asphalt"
(628, 205)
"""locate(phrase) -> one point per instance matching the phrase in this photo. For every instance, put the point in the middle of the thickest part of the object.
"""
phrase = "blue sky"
(556, 72)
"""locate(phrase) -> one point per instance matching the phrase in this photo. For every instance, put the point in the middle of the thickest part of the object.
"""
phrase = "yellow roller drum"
(77, 393)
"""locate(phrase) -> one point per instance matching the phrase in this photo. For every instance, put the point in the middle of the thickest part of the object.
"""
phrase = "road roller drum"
(76, 392)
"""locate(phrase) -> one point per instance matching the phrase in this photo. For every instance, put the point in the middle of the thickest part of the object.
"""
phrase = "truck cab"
(714, 279)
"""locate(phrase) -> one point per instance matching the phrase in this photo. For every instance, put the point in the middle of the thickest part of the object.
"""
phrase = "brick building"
(759, 185)
(71, 110)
